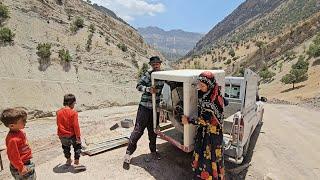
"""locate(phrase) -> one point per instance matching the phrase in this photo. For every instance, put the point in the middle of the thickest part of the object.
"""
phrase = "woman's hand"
(184, 119)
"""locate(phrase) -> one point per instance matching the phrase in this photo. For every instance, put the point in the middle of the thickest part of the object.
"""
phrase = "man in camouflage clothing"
(144, 117)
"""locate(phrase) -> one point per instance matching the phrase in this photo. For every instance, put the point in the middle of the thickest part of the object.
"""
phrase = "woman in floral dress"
(208, 148)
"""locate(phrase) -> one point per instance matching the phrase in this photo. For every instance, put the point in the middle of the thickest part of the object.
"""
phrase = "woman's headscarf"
(213, 97)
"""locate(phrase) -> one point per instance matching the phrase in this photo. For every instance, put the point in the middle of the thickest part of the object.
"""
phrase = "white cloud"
(130, 9)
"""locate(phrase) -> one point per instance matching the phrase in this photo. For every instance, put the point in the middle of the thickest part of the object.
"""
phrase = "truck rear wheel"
(246, 148)
(261, 117)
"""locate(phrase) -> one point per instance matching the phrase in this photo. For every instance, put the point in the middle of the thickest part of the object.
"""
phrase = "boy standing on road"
(69, 130)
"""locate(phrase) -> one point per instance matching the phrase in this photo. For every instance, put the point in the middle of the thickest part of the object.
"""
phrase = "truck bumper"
(234, 154)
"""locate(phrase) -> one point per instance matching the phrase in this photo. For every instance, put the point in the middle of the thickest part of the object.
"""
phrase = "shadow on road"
(62, 168)
(239, 172)
(175, 164)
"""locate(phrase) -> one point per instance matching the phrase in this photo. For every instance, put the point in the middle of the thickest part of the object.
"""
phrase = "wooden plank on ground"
(107, 145)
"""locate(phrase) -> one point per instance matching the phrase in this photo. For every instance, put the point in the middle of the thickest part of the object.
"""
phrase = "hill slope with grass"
(268, 37)
(60, 46)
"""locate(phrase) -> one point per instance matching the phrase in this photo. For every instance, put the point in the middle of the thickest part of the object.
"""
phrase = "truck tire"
(246, 148)
(261, 117)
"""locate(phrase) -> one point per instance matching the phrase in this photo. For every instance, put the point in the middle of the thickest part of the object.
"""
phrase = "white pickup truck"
(179, 96)
(242, 115)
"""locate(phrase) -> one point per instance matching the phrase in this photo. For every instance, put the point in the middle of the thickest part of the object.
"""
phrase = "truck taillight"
(238, 130)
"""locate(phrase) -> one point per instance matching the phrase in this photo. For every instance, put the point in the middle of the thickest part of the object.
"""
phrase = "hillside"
(174, 44)
(106, 55)
(269, 39)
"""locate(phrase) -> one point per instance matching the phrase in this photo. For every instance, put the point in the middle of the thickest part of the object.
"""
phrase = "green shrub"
(266, 75)
(92, 28)
(280, 65)
(314, 48)
(197, 65)
(77, 24)
(235, 58)
(260, 44)
(6, 35)
(298, 72)
(228, 61)
(123, 47)
(143, 70)
(232, 53)
(4, 13)
(289, 55)
(65, 55)
(239, 73)
(107, 40)
(59, 2)
(89, 42)
(301, 63)
(44, 50)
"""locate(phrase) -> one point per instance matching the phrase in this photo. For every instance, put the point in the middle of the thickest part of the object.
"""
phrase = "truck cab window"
(232, 91)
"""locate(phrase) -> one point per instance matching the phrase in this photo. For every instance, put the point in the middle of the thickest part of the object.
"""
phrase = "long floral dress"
(208, 160)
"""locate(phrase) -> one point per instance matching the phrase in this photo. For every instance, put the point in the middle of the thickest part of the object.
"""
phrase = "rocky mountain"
(109, 12)
(173, 44)
(268, 36)
(67, 46)
(246, 12)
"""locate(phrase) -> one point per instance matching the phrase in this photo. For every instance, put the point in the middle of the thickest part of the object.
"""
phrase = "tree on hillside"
(266, 75)
(298, 73)
(314, 48)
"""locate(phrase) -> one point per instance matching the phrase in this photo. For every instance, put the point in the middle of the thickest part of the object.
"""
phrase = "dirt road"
(285, 146)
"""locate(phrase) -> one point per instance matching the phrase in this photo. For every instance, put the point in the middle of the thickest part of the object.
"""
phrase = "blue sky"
(188, 15)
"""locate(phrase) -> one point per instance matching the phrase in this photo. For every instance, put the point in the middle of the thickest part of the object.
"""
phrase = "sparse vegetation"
(232, 53)
(289, 55)
(298, 73)
(266, 75)
(239, 73)
(259, 44)
(89, 42)
(133, 59)
(143, 70)
(123, 47)
(92, 28)
(197, 65)
(228, 61)
(4, 13)
(44, 50)
(107, 40)
(65, 55)
(77, 24)
(59, 2)
(280, 65)
(314, 48)
(6, 35)
(235, 58)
